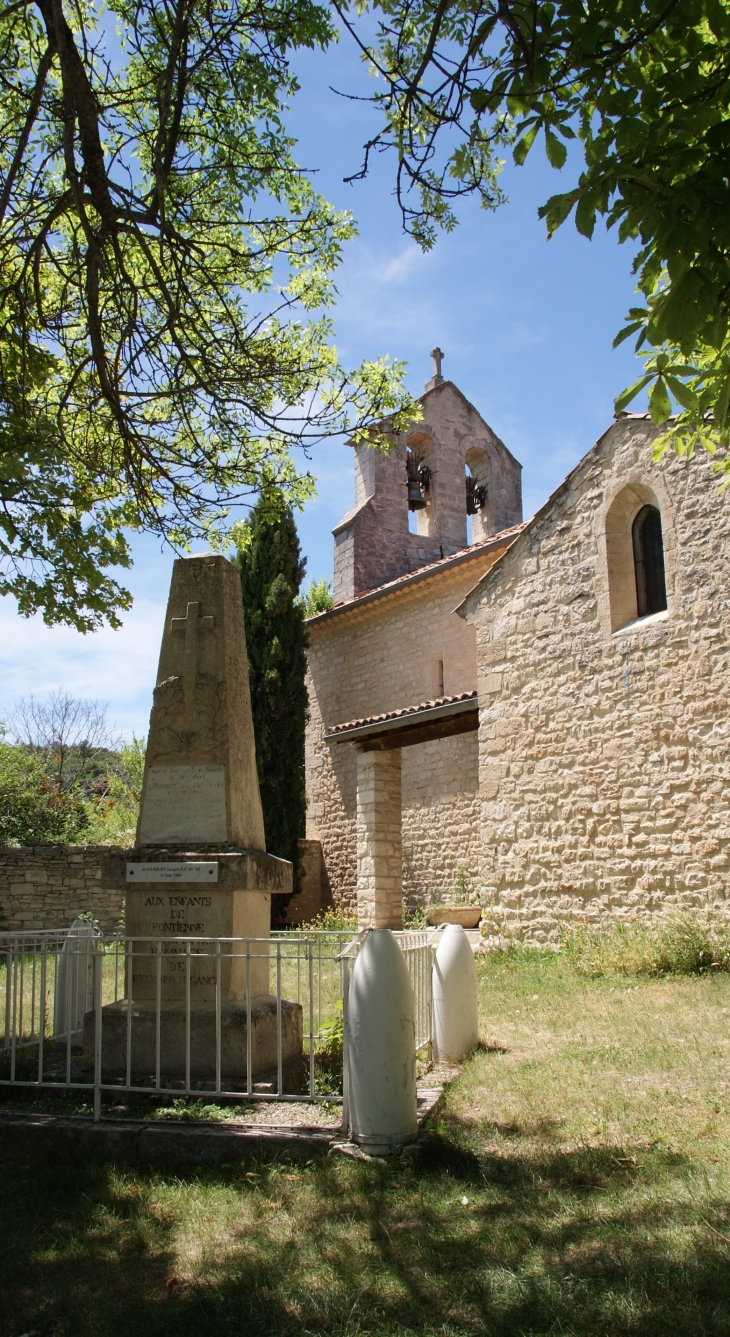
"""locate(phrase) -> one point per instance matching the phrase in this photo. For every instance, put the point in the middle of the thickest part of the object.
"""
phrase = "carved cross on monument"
(437, 378)
(191, 624)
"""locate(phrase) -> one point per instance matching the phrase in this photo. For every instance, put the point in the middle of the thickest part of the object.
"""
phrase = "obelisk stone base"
(236, 904)
(233, 1039)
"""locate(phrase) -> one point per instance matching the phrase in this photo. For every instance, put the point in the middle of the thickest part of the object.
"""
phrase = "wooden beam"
(448, 726)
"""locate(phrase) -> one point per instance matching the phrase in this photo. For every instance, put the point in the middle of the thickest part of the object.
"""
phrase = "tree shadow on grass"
(566, 1242)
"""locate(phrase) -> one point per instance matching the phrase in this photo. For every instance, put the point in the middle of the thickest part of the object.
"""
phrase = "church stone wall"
(603, 754)
(440, 782)
(381, 656)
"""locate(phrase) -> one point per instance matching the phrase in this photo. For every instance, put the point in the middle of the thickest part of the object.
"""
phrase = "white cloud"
(115, 666)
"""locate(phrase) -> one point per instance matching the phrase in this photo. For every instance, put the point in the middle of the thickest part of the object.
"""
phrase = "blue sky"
(526, 327)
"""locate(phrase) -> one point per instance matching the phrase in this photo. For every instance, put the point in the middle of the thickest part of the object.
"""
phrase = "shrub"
(414, 916)
(33, 810)
(688, 943)
(114, 809)
(334, 919)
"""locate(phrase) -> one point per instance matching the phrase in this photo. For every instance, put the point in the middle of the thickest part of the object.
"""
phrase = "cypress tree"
(272, 570)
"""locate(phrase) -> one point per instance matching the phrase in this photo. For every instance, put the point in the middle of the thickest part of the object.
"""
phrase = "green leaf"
(722, 402)
(686, 308)
(556, 152)
(523, 146)
(626, 396)
(626, 332)
(585, 215)
(557, 209)
(479, 99)
(682, 393)
(660, 406)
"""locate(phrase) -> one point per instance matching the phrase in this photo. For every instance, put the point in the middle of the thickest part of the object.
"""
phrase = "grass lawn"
(578, 1182)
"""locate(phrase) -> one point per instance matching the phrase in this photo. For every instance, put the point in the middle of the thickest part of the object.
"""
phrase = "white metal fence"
(187, 1016)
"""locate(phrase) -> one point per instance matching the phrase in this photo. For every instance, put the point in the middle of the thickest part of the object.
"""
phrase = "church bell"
(419, 482)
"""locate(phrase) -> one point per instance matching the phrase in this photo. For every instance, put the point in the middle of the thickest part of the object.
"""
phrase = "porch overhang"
(414, 724)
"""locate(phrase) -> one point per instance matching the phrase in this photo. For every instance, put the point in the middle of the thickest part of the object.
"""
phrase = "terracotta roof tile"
(401, 714)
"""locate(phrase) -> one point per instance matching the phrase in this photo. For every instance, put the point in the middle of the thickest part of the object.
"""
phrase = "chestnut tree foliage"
(165, 273)
(643, 86)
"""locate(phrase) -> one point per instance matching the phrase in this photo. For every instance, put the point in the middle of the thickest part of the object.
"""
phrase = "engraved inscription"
(184, 803)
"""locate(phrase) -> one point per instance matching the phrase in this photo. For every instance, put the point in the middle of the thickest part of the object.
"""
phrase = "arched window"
(651, 591)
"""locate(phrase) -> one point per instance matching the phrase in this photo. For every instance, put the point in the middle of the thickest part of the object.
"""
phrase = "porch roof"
(441, 718)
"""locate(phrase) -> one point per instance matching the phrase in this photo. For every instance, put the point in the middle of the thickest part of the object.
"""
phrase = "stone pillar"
(379, 843)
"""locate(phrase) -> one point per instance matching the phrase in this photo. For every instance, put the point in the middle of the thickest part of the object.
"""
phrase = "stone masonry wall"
(441, 816)
(603, 740)
(48, 886)
(378, 657)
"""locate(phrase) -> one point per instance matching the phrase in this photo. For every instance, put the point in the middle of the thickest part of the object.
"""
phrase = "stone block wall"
(383, 656)
(604, 741)
(315, 894)
(441, 817)
(48, 886)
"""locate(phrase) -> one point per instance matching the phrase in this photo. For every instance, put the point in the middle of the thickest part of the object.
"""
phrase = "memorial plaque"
(184, 803)
(158, 916)
(173, 872)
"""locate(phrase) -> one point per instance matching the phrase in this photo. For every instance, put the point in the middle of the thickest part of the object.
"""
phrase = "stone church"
(541, 705)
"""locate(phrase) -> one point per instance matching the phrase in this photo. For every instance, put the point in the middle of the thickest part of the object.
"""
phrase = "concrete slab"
(142, 1144)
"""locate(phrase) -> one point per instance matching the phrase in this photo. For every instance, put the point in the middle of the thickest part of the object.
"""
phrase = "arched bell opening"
(420, 484)
(476, 478)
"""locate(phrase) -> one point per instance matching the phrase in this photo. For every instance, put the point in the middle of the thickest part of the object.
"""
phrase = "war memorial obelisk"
(199, 868)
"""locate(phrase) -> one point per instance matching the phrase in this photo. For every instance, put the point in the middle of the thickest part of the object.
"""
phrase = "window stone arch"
(630, 504)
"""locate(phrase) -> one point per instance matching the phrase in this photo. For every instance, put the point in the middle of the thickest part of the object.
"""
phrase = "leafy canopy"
(165, 274)
(644, 88)
(317, 597)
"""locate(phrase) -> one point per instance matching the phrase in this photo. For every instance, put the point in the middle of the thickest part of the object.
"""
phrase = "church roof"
(463, 556)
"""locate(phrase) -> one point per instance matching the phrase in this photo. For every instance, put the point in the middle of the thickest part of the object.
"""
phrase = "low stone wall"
(315, 894)
(48, 886)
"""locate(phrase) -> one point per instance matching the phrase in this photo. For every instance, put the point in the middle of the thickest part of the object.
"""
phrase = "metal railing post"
(279, 1063)
(8, 996)
(42, 1012)
(187, 1016)
(310, 954)
(345, 1047)
(249, 1027)
(129, 970)
(98, 960)
(158, 1017)
(218, 1012)
(13, 1033)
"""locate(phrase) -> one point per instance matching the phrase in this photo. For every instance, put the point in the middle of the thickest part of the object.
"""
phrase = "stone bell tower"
(448, 465)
